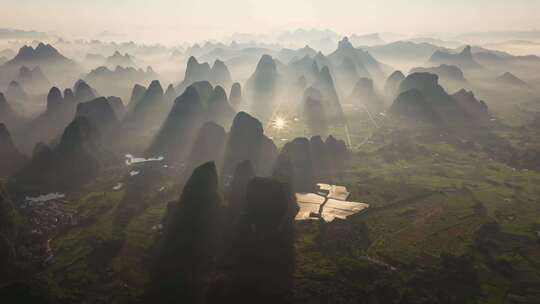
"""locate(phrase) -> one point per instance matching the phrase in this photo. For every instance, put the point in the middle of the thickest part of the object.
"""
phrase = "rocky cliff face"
(50, 124)
(209, 145)
(413, 104)
(176, 136)
(330, 98)
(136, 95)
(262, 252)
(196, 71)
(83, 92)
(218, 109)
(69, 165)
(220, 75)
(243, 174)
(298, 152)
(7, 235)
(320, 160)
(339, 155)
(99, 112)
(11, 159)
(187, 249)
(451, 77)
(147, 113)
(8, 116)
(244, 142)
(476, 109)
(424, 99)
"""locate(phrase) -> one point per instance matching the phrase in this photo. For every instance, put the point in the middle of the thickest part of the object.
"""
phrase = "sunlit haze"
(180, 20)
(270, 152)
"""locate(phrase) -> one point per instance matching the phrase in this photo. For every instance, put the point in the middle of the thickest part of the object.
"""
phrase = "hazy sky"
(177, 20)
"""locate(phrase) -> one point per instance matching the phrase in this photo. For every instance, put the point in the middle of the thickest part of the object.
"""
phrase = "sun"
(279, 123)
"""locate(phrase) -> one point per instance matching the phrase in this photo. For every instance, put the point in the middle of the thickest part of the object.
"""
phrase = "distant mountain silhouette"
(365, 95)
(424, 99)
(118, 81)
(42, 54)
(58, 67)
(330, 98)
(403, 51)
(463, 60)
(362, 60)
(290, 55)
(511, 80)
(34, 79)
(392, 84)
(347, 74)
(305, 66)
(16, 93)
(170, 94)
(451, 77)
(235, 96)
(11, 33)
(118, 59)
(502, 63)
(262, 86)
(218, 74)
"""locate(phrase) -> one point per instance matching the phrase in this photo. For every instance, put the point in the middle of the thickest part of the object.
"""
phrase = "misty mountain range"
(300, 166)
